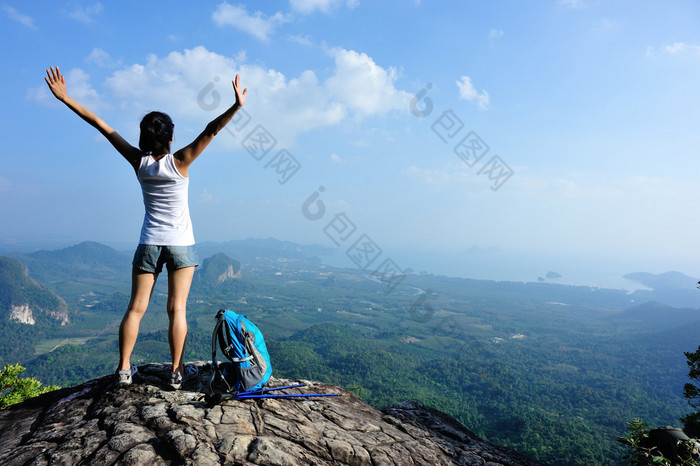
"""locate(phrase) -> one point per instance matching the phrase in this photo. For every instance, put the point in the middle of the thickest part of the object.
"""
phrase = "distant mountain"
(271, 248)
(671, 288)
(657, 316)
(668, 280)
(217, 271)
(25, 301)
(550, 276)
(87, 260)
(88, 253)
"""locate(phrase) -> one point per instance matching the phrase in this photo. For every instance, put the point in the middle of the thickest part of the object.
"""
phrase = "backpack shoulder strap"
(218, 334)
(226, 334)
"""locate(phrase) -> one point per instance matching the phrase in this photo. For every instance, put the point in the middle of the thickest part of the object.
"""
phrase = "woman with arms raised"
(166, 235)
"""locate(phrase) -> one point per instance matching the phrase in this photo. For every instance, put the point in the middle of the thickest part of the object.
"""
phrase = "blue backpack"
(243, 345)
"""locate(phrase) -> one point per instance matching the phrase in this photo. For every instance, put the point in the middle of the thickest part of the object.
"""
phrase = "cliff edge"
(98, 423)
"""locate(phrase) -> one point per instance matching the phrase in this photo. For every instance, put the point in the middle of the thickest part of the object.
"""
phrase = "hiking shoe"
(126, 376)
(190, 372)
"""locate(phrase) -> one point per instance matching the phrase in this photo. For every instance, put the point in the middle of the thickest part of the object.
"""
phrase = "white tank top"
(167, 220)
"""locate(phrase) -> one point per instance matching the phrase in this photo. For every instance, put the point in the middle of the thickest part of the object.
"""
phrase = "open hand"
(57, 83)
(240, 96)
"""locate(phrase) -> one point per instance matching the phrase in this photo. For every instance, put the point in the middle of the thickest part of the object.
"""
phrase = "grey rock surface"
(97, 423)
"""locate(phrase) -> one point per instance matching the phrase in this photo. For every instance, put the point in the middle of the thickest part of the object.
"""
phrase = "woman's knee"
(177, 310)
(137, 308)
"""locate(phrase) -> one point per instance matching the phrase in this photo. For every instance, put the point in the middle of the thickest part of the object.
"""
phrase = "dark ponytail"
(156, 133)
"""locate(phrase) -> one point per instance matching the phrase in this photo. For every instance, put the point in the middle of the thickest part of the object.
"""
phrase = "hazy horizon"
(474, 263)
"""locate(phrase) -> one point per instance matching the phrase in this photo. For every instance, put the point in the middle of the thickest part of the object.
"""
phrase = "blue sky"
(562, 134)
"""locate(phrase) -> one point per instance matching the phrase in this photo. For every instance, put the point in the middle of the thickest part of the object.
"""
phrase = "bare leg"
(179, 282)
(142, 284)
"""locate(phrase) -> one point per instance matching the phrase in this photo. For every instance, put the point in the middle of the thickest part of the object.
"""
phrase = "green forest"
(553, 371)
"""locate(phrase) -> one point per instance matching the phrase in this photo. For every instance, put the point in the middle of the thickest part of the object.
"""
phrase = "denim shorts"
(150, 258)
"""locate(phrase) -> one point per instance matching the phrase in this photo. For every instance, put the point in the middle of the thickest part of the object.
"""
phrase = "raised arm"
(185, 156)
(57, 84)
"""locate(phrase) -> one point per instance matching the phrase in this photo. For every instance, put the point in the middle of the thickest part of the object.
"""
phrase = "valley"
(553, 371)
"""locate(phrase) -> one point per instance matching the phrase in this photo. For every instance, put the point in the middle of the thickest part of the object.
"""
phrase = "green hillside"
(24, 300)
(553, 371)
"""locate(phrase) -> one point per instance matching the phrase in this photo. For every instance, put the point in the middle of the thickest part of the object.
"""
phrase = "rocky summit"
(97, 423)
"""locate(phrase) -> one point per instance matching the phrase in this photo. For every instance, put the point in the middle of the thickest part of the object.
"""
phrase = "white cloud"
(680, 48)
(677, 49)
(101, 58)
(452, 174)
(80, 88)
(78, 85)
(301, 39)
(14, 15)
(258, 24)
(495, 34)
(342, 205)
(363, 86)
(309, 6)
(434, 176)
(208, 198)
(182, 75)
(289, 106)
(85, 14)
(194, 84)
(633, 189)
(583, 188)
(468, 92)
(336, 158)
(573, 4)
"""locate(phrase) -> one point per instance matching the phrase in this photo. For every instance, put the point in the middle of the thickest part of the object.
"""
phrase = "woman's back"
(165, 198)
